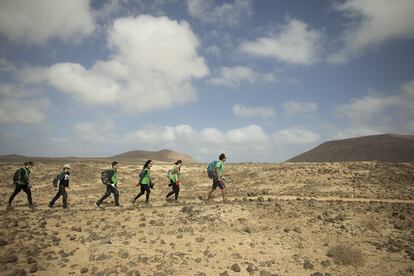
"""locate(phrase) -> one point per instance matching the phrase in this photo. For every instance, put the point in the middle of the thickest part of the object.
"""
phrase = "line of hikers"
(21, 181)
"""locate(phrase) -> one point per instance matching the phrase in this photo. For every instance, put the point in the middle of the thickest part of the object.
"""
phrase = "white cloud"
(213, 50)
(379, 112)
(373, 22)
(368, 108)
(240, 143)
(234, 76)
(295, 136)
(215, 12)
(153, 63)
(102, 132)
(19, 105)
(38, 21)
(258, 111)
(171, 135)
(295, 43)
(294, 108)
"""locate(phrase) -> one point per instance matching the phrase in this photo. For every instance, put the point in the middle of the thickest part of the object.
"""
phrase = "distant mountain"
(162, 155)
(136, 155)
(386, 147)
(12, 157)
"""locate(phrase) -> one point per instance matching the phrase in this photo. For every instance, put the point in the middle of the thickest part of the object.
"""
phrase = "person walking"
(21, 181)
(111, 181)
(174, 176)
(62, 182)
(218, 178)
(145, 181)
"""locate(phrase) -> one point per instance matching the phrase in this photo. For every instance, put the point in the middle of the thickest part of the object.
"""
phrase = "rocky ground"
(279, 219)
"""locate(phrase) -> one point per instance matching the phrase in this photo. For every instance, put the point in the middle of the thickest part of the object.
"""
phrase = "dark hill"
(386, 147)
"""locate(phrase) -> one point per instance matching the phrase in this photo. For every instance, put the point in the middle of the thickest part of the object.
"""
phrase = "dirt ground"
(354, 218)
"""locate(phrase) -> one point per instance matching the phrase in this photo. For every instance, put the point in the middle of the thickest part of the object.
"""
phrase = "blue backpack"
(211, 170)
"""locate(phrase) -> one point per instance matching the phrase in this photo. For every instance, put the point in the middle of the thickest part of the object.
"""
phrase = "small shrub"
(346, 255)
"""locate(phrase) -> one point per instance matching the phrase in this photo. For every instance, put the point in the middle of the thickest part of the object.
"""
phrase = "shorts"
(217, 183)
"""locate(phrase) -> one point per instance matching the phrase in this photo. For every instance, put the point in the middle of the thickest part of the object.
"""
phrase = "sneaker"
(97, 205)
(133, 201)
(51, 206)
(9, 207)
(65, 207)
(31, 206)
(118, 206)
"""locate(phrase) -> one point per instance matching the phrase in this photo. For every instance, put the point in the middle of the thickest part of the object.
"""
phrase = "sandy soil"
(353, 218)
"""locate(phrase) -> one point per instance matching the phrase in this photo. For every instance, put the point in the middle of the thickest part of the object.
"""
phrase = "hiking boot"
(97, 205)
(51, 206)
(31, 206)
(65, 207)
(9, 207)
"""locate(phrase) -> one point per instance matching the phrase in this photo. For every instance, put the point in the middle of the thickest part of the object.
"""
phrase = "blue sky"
(259, 80)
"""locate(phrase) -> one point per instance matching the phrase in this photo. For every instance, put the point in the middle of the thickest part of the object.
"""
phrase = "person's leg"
(176, 191)
(147, 195)
(141, 192)
(65, 197)
(28, 192)
(17, 190)
(116, 195)
(213, 187)
(52, 202)
(172, 184)
(108, 193)
(222, 187)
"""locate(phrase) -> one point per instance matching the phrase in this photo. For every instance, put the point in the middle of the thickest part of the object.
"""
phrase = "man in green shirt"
(22, 183)
(218, 180)
(111, 186)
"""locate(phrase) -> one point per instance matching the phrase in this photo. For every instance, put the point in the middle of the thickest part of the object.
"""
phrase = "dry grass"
(370, 224)
(345, 255)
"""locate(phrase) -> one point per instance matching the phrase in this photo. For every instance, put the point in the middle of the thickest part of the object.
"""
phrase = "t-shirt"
(175, 173)
(24, 176)
(113, 177)
(220, 167)
(146, 179)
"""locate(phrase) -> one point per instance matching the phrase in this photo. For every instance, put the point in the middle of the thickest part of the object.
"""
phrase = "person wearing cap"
(111, 186)
(62, 184)
(22, 183)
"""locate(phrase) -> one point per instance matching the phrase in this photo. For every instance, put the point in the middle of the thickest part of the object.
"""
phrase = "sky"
(261, 81)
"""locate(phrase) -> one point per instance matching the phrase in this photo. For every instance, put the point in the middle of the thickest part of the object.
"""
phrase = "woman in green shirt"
(145, 181)
(174, 177)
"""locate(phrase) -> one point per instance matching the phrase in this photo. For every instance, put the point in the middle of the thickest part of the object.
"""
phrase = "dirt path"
(217, 199)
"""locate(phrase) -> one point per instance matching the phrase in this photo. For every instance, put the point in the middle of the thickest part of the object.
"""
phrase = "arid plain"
(353, 218)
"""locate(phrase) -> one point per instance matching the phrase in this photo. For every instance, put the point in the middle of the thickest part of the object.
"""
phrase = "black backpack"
(105, 177)
(16, 176)
(55, 181)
